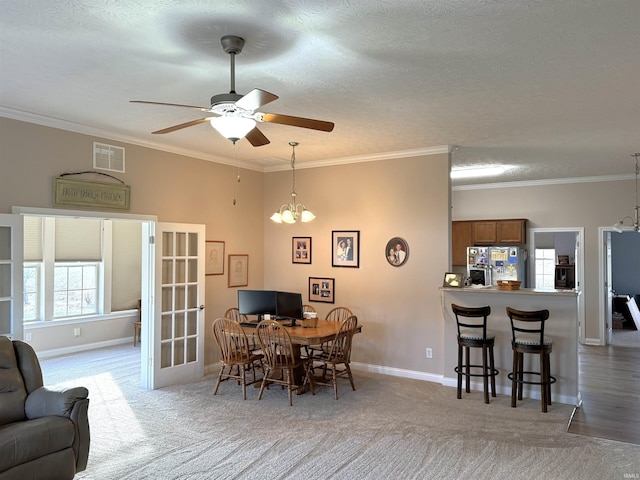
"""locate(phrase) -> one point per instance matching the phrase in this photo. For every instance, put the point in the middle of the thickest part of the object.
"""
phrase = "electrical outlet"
(76, 332)
(27, 336)
(429, 353)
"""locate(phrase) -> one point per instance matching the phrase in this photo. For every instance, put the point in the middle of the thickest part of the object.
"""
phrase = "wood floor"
(609, 379)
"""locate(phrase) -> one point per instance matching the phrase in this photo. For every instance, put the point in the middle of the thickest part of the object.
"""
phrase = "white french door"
(175, 341)
(11, 253)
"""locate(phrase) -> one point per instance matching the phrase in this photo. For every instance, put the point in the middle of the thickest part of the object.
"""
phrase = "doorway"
(567, 242)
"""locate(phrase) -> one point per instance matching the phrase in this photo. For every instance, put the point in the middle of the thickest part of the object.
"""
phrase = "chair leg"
(335, 381)
(218, 381)
(459, 371)
(244, 383)
(543, 382)
(514, 378)
(289, 385)
(520, 374)
(353, 387)
(548, 363)
(264, 382)
(485, 376)
(491, 370)
(467, 378)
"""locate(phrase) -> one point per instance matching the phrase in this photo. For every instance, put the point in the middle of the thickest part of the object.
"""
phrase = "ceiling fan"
(235, 115)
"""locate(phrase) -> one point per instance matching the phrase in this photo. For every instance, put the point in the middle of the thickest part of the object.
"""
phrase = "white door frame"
(579, 261)
(148, 224)
(15, 277)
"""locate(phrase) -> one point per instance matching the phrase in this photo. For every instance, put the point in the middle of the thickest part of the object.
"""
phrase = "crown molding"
(537, 183)
(105, 134)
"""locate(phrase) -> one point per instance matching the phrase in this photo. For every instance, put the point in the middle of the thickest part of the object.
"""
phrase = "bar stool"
(472, 333)
(527, 336)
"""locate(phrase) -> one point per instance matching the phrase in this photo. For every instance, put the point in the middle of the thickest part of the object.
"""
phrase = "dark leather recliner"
(44, 434)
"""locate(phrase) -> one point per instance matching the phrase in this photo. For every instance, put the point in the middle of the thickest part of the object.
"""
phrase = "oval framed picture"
(397, 251)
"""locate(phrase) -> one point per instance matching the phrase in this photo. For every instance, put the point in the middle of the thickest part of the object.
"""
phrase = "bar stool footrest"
(463, 371)
(552, 379)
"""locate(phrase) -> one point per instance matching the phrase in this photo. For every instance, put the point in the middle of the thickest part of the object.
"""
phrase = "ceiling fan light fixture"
(232, 127)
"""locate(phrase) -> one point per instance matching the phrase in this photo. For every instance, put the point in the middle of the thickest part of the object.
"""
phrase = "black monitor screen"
(289, 305)
(257, 302)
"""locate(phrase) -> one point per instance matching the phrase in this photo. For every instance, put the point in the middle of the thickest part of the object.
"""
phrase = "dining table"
(301, 335)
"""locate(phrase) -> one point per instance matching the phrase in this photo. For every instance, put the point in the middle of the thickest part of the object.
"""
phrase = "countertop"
(522, 291)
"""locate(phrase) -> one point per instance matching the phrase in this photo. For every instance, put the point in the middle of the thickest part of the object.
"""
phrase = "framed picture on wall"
(563, 259)
(322, 289)
(345, 248)
(238, 270)
(301, 250)
(214, 262)
(397, 251)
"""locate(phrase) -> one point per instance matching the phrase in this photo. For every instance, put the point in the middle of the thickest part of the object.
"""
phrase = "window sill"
(38, 324)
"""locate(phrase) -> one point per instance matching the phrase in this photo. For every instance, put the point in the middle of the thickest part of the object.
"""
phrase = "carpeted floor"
(389, 428)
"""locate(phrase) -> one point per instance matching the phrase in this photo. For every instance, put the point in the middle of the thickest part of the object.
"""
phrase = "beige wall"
(173, 187)
(126, 265)
(589, 205)
(398, 306)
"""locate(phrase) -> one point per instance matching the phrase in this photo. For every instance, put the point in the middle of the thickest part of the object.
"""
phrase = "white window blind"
(78, 239)
(33, 239)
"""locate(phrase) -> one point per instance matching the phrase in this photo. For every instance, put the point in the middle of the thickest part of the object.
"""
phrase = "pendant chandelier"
(289, 213)
(618, 226)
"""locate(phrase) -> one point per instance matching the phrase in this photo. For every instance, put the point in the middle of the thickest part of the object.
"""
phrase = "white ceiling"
(550, 87)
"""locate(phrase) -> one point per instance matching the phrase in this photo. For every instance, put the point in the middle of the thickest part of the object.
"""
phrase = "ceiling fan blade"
(255, 99)
(296, 121)
(183, 125)
(204, 109)
(257, 138)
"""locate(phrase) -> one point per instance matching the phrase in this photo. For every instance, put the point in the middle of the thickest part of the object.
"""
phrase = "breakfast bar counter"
(562, 327)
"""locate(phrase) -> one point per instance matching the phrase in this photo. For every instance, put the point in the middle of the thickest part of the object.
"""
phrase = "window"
(63, 272)
(545, 267)
(31, 291)
(75, 289)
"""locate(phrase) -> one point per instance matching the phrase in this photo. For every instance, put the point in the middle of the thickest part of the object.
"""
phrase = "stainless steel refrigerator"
(478, 272)
(508, 263)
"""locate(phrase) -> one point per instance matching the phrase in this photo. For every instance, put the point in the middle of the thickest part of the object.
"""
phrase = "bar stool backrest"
(472, 318)
(527, 325)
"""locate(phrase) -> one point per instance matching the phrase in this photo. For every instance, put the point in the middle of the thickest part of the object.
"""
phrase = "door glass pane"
(167, 271)
(181, 244)
(192, 349)
(192, 322)
(180, 271)
(180, 320)
(193, 244)
(5, 316)
(180, 298)
(178, 356)
(193, 296)
(165, 355)
(5, 243)
(166, 331)
(167, 299)
(167, 244)
(5, 280)
(193, 270)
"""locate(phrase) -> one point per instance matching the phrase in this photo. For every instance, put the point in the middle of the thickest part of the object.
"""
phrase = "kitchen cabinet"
(467, 233)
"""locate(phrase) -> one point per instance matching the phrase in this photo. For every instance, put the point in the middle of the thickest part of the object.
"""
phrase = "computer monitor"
(289, 305)
(257, 302)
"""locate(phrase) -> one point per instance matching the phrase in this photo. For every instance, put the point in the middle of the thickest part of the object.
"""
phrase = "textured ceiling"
(550, 87)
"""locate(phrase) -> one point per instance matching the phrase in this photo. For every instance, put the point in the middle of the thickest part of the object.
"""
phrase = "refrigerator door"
(507, 263)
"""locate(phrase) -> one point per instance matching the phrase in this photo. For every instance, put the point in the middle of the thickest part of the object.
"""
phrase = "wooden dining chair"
(337, 315)
(234, 351)
(280, 355)
(234, 314)
(338, 353)
(308, 308)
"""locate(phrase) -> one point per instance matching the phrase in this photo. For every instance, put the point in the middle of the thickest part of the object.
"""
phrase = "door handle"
(201, 307)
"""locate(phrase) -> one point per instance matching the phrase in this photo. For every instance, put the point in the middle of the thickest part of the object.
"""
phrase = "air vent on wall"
(108, 157)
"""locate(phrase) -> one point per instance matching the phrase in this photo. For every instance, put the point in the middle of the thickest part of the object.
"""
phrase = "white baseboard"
(81, 348)
(592, 341)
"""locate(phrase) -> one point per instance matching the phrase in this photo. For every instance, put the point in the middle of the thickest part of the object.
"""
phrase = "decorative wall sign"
(81, 193)
(322, 289)
(397, 251)
(301, 250)
(214, 261)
